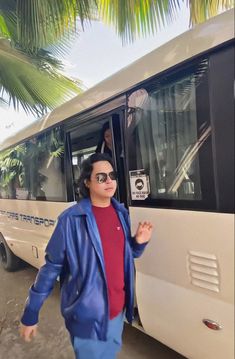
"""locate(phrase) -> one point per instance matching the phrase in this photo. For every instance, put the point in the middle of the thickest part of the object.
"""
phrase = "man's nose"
(108, 180)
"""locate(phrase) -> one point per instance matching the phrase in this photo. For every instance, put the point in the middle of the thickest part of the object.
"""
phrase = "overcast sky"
(96, 54)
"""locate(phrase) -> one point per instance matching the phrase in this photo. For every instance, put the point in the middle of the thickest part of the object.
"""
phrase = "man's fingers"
(27, 339)
(145, 224)
(27, 333)
(34, 333)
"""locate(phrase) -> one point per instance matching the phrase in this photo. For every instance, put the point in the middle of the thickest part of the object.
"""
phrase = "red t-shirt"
(112, 238)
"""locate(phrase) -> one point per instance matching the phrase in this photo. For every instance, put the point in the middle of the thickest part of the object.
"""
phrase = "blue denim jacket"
(74, 253)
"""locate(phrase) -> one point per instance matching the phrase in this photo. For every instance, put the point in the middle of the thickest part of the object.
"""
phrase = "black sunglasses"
(102, 176)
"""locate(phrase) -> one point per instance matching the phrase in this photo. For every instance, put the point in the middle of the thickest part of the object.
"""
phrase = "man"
(92, 250)
(106, 142)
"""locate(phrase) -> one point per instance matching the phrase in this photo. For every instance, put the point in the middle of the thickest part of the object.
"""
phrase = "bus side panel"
(27, 227)
(184, 276)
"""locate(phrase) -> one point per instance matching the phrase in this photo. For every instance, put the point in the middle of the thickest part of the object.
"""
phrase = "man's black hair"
(86, 170)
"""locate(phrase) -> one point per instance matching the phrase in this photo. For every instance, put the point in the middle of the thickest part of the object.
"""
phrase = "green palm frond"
(10, 153)
(6, 178)
(8, 20)
(4, 31)
(12, 162)
(11, 165)
(201, 10)
(41, 23)
(132, 18)
(3, 102)
(24, 85)
(58, 152)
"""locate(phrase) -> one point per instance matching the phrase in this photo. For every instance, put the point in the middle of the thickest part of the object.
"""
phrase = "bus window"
(168, 132)
(46, 176)
(33, 170)
(12, 172)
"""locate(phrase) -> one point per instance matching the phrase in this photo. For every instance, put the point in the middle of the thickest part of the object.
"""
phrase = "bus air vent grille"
(203, 270)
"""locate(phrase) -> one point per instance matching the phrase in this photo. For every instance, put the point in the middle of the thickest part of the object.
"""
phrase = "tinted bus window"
(33, 170)
(12, 172)
(168, 134)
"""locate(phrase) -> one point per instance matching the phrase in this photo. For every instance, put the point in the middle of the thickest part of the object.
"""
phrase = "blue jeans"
(96, 349)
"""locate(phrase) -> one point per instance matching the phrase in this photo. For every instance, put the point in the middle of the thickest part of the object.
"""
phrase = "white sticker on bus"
(139, 182)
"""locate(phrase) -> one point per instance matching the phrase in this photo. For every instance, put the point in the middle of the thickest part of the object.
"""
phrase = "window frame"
(205, 154)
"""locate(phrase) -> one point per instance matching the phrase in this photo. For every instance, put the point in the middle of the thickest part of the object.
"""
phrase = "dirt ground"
(53, 340)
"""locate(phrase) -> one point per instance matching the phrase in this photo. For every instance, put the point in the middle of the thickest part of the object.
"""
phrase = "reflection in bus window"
(34, 169)
(12, 172)
(164, 138)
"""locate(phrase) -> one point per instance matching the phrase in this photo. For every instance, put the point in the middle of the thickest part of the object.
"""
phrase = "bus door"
(86, 138)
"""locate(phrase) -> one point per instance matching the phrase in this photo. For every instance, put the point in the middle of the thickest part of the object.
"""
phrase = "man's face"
(108, 137)
(105, 190)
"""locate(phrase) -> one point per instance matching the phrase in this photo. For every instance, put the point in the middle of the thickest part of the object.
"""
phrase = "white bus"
(171, 115)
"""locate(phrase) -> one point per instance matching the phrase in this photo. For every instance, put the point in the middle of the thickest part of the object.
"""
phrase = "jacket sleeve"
(46, 277)
(137, 249)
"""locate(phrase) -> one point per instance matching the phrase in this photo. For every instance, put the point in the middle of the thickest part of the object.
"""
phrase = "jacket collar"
(84, 207)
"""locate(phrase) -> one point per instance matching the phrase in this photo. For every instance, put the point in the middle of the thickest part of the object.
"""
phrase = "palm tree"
(28, 27)
(30, 76)
(132, 18)
(34, 82)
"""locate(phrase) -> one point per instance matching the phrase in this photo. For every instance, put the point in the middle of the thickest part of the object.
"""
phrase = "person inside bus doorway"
(92, 250)
(106, 141)
(106, 145)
